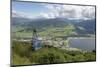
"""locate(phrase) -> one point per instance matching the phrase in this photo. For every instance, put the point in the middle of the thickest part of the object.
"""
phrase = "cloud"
(21, 14)
(47, 15)
(89, 12)
(69, 11)
(59, 10)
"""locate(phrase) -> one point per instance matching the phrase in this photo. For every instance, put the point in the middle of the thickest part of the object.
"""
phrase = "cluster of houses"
(39, 42)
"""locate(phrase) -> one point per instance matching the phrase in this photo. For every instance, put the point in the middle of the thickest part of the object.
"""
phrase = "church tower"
(36, 42)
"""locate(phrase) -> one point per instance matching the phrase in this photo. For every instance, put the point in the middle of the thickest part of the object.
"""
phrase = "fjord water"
(87, 44)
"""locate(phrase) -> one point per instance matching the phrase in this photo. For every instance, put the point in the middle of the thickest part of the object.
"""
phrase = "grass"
(22, 54)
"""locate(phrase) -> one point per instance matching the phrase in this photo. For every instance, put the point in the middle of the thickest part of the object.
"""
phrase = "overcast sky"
(46, 10)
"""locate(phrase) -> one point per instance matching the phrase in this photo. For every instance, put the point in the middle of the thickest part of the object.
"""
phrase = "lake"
(82, 43)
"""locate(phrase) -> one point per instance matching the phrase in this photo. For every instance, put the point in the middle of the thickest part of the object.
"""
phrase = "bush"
(68, 58)
(79, 58)
(21, 48)
(17, 60)
(47, 55)
(90, 56)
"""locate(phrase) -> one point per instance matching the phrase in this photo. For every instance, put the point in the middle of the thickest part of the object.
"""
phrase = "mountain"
(19, 21)
(56, 22)
(81, 26)
(89, 27)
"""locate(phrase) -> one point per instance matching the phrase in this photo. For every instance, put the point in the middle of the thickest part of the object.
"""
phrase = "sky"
(47, 10)
(32, 9)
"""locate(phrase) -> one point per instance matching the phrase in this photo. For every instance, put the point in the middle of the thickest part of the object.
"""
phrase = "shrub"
(90, 56)
(47, 55)
(22, 48)
(17, 60)
(79, 58)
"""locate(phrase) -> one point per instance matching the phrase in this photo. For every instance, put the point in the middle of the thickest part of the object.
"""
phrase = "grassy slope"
(22, 53)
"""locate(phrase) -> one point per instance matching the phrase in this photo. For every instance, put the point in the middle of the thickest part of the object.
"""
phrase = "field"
(68, 30)
(48, 31)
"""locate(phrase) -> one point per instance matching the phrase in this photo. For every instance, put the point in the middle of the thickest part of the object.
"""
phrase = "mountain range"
(81, 26)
